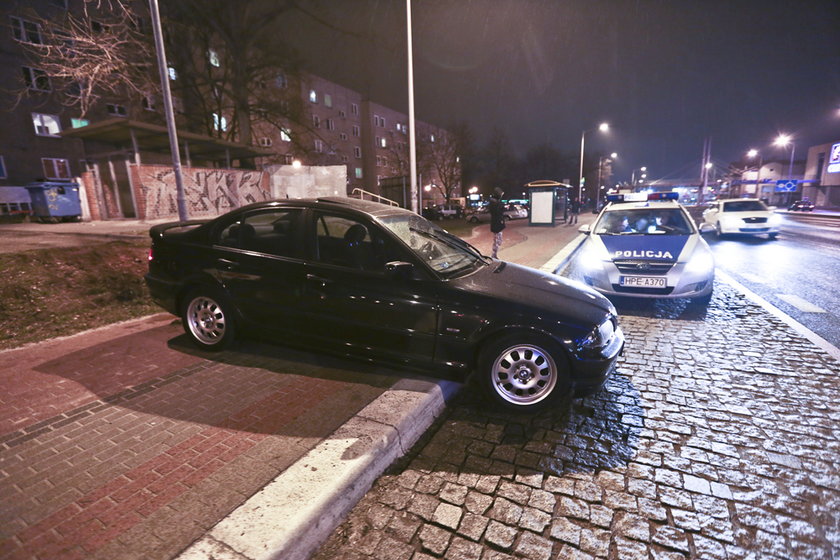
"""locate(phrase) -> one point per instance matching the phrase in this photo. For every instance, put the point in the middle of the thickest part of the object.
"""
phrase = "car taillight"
(151, 254)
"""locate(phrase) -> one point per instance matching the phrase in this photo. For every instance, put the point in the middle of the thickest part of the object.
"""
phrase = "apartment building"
(332, 124)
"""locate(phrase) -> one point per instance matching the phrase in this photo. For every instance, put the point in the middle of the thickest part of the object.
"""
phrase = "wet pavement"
(718, 438)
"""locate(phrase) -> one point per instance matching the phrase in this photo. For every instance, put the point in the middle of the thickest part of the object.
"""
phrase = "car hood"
(665, 248)
(535, 289)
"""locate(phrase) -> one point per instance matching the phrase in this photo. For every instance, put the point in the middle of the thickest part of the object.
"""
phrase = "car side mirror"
(585, 229)
(399, 269)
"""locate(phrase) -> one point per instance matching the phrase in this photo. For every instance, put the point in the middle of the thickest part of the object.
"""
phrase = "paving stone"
(447, 515)
(533, 547)
(434, 539)
(500, 535)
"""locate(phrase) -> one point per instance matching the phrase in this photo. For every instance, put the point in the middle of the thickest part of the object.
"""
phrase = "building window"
(354, 109)
(343, 136)
(341, 113)
(79, 123)
(289, 159)
(36, 79)
(280, 81)
(358, 173)
(213, 58)
(26, 31)
(55, 168)
(356, 130)
(375, 120)
(357, 151)
(328, 100)
(383, 143)
(344, 159)
(173, 75)
(313, 96)
(319, 146)
(432, 138)
(219, 122)
(3, 168)
(46, 125)
(330, 124)
(149, 102)
(265, 142)
(116, 110)
(285, 135)
(316, 121)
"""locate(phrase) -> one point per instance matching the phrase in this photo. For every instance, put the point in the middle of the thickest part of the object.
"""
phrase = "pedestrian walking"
(497, 219)
(573, 217)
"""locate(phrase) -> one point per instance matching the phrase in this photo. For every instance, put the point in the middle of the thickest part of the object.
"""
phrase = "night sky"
(666, 75)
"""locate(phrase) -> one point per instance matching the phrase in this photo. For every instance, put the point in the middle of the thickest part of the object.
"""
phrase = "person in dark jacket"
(497, 219)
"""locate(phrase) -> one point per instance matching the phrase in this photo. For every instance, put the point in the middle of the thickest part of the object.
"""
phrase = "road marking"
(754, 278)
(800, 303)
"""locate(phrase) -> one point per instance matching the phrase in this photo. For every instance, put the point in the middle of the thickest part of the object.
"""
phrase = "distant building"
(822, 175)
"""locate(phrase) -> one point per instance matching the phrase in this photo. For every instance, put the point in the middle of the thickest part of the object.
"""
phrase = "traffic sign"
(786, 185)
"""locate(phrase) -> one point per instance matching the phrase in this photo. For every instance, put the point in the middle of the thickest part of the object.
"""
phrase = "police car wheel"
(522, 372)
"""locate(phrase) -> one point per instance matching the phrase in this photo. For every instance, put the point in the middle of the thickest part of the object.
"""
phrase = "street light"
(782, 140)
(603, 127)
(752, 154)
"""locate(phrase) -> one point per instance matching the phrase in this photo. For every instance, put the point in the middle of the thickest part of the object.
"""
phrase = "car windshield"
(745, 206)
(446, 254)
(658, 221)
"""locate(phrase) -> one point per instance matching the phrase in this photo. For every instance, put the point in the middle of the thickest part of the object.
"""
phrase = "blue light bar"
(664, 196)
(615, 198)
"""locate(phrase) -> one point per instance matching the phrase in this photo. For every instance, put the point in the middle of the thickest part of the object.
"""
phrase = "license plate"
(644, 281)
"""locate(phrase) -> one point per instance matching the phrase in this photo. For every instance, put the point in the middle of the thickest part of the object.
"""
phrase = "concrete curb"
(297, 511)
(562, 258)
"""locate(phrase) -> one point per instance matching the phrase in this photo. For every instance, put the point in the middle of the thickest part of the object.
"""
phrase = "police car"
(646, 245)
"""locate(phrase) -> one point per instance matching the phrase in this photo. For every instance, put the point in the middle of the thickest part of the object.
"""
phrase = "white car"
(741, 216)
(648, 248)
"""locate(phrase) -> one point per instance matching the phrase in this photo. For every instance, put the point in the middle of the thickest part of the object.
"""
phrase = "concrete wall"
(208, 192)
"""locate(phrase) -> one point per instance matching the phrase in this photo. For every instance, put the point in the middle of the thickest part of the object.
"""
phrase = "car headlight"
(774, 220)
(701, 262)
(600, 335)
(592, 258)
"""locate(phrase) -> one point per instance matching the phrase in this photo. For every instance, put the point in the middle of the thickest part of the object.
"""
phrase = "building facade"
(822, 175)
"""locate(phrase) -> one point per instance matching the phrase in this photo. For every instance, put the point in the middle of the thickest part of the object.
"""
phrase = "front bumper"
(591, 371)
(679, 283)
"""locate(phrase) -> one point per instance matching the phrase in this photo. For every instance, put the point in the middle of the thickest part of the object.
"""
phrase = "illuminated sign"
(834, 160)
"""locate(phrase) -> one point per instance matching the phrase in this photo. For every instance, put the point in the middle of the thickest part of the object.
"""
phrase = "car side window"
(273, 232)
(350, 243)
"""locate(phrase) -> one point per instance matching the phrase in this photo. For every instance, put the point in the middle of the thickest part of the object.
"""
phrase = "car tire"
(718, 231)
(208, 320)
(522, 372)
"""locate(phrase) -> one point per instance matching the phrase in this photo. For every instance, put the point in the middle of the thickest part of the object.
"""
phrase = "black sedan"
(359, 278)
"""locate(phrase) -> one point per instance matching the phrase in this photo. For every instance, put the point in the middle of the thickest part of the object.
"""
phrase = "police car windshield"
(643, 221)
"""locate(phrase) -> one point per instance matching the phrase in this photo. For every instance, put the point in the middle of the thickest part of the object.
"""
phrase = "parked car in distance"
(741, 216)
(802, 206)
(511, 212)
(358, 278)
(450, 210)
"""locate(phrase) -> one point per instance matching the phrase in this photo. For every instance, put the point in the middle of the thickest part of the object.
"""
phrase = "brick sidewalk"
(126, 443)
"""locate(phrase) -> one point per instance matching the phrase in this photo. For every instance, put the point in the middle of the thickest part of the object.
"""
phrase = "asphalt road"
(796, 273)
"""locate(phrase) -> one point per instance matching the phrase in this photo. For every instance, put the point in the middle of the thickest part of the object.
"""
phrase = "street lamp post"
(783, 140)
(603, 127)
(752, 155)
(599, 187)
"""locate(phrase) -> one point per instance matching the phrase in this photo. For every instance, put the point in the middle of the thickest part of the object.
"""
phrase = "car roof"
(375, 209)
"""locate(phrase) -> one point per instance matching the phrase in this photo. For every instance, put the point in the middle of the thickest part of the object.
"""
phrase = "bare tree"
(96, 52)
(441, 158)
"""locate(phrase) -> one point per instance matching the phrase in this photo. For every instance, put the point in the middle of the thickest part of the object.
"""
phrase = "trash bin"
(53, 201)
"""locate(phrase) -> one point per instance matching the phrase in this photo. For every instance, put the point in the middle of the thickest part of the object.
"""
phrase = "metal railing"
(361, 193)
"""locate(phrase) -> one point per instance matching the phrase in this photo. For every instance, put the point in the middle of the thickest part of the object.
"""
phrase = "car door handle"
(226, 264)
(322, 282)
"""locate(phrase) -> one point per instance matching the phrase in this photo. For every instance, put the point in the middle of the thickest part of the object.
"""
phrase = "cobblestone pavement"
(717, 438)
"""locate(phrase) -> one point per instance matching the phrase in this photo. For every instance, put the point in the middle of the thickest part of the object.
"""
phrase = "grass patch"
(47, 293)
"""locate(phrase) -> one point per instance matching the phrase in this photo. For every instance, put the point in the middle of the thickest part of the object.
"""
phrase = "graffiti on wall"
(208, 192)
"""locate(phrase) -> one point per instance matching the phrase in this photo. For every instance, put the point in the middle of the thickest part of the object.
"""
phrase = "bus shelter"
(548, 202)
